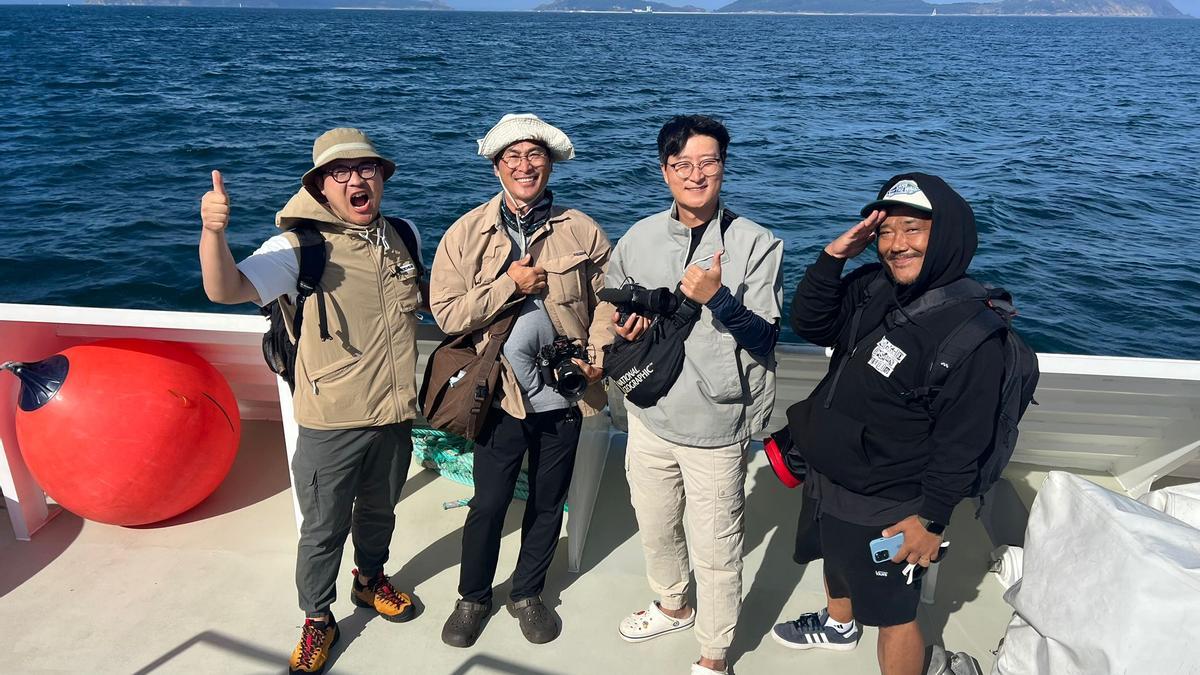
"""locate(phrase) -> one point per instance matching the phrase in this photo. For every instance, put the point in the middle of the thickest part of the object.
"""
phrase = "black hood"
(952, 238)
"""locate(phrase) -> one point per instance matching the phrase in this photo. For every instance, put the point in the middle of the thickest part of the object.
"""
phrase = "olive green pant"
(348, 482)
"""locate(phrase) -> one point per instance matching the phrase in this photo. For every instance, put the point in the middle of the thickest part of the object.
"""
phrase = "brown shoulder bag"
(460, 384)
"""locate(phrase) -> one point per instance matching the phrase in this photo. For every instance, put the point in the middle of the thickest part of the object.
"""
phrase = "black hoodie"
(868, 434)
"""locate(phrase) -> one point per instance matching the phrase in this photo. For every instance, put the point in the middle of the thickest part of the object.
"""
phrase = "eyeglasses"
(537, 158)
(708, 167)
(341, 174)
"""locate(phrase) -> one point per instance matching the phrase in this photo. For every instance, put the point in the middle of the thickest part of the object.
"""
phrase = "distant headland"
(1133, 8)
(1112, 8)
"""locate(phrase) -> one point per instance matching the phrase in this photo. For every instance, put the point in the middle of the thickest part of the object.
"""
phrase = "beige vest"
(364, 376)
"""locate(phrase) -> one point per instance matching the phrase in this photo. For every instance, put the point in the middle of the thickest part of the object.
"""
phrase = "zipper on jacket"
(837, 374)
(379, 279)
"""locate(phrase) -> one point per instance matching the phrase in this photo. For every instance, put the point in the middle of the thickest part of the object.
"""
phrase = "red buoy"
(127, 431)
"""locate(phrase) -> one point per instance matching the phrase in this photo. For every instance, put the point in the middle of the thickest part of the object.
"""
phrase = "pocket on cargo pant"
(731, 494)
(308, 495)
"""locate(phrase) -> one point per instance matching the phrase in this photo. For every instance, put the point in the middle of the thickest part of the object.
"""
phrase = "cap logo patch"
(903, 189)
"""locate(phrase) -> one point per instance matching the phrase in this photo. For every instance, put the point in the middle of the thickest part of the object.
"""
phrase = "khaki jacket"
(469, 285)
(365, 375)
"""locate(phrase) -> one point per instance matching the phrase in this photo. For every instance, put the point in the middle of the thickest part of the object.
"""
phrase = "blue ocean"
(1075, 140)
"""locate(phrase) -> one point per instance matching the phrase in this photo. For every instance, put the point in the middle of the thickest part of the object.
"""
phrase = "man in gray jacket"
(685, 456)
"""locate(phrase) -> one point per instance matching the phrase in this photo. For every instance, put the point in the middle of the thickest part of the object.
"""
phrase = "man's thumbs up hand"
(214, 206)
(701, 284)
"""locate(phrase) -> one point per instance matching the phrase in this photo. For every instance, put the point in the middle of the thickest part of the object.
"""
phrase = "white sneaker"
(651, 622)
(698, 669)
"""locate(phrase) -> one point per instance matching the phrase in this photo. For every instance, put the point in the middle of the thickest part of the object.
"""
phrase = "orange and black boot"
(316, 639)
(378, 594)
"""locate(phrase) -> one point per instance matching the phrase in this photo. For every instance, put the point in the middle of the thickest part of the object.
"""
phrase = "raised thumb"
(219, 183)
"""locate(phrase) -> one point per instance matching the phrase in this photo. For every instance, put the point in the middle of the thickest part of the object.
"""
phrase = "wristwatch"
(934, 527)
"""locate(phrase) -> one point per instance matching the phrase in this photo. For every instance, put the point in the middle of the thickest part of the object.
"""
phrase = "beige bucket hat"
(341, 143)
(517, 127)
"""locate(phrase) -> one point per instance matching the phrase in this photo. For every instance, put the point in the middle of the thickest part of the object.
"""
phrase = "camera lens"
(880, 556)
(571, 382)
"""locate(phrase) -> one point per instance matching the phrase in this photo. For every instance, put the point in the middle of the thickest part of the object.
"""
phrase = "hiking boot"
(465, 623)
(811, 630)
(380, 595)
(538, 624)
(316, 639)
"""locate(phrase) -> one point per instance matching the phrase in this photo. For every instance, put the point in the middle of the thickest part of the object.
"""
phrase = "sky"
(1187, 6)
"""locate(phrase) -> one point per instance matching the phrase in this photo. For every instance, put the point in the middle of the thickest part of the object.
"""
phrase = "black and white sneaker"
(811, 631)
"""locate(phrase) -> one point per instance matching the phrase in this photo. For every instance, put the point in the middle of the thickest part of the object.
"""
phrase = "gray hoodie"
(724, 394)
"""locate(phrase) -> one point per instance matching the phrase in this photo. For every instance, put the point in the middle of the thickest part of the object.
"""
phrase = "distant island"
(1140, 8)
(612, 6)
(434, 5)
(1131, 8)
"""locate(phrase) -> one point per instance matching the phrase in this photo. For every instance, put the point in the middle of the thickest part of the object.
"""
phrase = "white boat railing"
(1137, 419)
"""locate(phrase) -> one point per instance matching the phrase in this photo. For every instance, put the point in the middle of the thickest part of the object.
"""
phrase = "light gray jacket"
(724, 394)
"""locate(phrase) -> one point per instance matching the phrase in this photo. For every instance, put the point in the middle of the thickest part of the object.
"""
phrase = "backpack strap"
(308, 282)
(965, 289)
(727, 218)
(405, 229)
(955, 348)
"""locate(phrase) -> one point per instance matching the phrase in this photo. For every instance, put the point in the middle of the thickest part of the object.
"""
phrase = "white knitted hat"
(514, 128)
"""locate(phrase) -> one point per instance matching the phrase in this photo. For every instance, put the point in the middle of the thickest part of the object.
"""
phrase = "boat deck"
(212, 590)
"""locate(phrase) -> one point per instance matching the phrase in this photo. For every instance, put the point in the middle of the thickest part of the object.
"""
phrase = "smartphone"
(884, 549)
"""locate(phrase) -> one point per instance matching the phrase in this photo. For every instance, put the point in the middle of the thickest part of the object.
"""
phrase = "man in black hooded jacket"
(883, 458)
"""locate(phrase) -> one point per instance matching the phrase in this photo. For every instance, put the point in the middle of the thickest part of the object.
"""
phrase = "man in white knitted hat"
(355, 396)
(520, 254)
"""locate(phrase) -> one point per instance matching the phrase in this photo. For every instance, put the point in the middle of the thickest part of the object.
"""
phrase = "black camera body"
(557, 369)
(632, 298)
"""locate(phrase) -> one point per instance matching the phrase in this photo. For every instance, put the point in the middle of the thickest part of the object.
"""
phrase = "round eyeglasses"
(537, 158)
(708, 167)
(341, 174)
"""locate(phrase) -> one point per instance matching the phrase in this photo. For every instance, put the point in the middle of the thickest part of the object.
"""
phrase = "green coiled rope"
(451, 456)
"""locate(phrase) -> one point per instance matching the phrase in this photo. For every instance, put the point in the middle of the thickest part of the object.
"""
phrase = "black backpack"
(279, 350)
(1020, 363)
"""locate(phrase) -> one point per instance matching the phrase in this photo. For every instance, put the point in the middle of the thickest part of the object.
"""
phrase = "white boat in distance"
(211, 590)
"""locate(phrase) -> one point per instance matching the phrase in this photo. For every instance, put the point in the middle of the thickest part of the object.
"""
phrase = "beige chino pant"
(669, 483)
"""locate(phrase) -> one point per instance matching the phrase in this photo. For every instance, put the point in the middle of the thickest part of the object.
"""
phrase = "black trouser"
(550, 438)
(347, 480)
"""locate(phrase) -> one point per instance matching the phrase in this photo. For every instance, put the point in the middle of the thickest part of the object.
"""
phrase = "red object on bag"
(778, 465)
(126, 431)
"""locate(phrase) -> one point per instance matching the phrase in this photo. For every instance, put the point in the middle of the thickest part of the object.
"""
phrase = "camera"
(632, 298)
(881, 556)
(557, 369)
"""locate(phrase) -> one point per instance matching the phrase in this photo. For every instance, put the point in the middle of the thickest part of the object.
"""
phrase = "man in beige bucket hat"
(520, 253)
(355, 394)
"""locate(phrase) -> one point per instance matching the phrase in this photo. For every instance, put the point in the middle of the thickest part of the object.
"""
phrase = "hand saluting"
(701, 284)
(214, 206)
(856, 239)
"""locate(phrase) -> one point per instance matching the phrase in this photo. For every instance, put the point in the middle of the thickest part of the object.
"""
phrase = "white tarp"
(1180, 501)
(1109, 586)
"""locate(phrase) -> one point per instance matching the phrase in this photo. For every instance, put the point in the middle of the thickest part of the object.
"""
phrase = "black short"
(878, 593)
